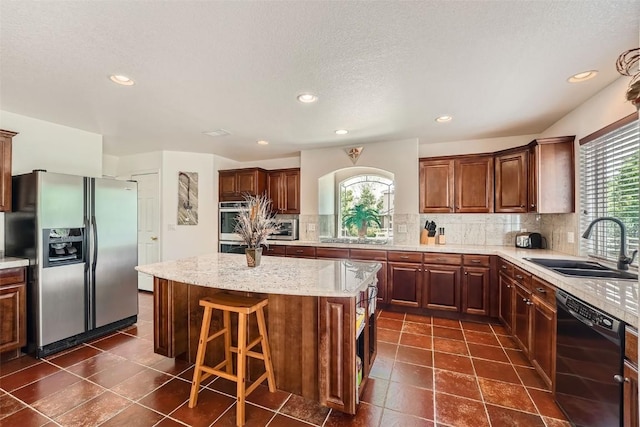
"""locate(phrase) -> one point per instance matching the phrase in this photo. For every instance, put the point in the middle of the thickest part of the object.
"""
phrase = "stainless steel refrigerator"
(80, 235)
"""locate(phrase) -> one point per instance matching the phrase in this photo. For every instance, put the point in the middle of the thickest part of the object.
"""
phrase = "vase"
(253, 256)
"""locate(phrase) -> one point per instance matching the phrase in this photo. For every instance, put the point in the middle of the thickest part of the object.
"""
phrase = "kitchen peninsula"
(320, 318)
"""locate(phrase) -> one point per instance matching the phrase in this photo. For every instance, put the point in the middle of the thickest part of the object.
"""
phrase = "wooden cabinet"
(170, 303)
(5, 169)
(456, 184)
(274, 250)
(441, 287)
(522, 317)
(543, 330)
(512, 181)
(378, 256)
(630, 408)
(233, 184)
(332, 253)
(283, 188)
(404, 285)
(507, 290)
(476, 281)
(13, 311)
(300, 251)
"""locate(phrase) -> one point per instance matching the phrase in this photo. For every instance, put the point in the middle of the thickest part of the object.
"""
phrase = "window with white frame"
(610, 186)
(374, 192)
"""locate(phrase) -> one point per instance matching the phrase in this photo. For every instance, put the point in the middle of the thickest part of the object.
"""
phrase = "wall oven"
(227, 213)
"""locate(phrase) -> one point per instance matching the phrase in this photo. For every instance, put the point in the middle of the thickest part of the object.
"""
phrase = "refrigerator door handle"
(95, 242)
(85, 246)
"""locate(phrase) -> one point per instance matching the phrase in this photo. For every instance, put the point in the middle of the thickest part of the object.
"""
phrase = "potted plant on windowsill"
(254, 226)
(361, 217)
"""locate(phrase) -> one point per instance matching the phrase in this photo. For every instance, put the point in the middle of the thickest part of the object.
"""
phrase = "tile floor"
(428, 372)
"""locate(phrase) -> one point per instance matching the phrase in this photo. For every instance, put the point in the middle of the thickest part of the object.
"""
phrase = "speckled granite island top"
(9, 262)
(275, 275)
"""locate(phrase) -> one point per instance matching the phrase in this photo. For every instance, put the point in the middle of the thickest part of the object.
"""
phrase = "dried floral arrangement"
(256, 223)
(627, 65)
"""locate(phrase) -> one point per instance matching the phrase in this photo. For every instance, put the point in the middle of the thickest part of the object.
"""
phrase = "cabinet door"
(405, 284)
(291, 191)
(474, 184)
(5, 170)
(246, 182)
(511, 174)
(337, 349)
(382, 283)
(532, 192)
(543, 339)
(227, 186)
(441, 287)
(436, 185)
(630, 396)
(555, 175)
(522, 318)
(13, 309)
(475, 290)
(274, 191)
(506, 301)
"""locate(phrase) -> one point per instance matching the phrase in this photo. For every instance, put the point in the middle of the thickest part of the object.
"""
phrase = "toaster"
(529, 240)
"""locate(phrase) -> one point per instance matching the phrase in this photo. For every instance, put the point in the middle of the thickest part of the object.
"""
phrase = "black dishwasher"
(589, 358)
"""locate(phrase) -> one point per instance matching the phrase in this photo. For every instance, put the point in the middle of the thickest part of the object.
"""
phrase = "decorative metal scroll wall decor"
(187, 198)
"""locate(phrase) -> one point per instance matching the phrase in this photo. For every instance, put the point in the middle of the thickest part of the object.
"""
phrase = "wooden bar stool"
(244, 306)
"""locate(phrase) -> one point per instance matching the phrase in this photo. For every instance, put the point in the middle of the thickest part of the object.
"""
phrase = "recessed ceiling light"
(218, 132)
(307, 98)
(342, 132)
(121, 80)
(581, 77)
(444, 119)
(263, 142)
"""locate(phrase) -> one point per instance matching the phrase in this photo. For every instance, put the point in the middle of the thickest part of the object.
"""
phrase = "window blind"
(610, 186)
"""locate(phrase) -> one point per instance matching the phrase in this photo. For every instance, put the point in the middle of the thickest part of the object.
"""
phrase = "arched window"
(362, 197)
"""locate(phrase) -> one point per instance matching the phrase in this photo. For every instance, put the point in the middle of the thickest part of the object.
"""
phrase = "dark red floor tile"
(393, 324)
(449, 333)
(391, 315)
(68, 398)
(488, 352)
(496, 371)
(74, 356)
(305, 410)
(453, 362)
(507, 342)
(263, 397)
(450, 346)
(417, 318)
(45, 387)
(112, 377)
(382, 368)
(415, 340)
(481, 338)
(546, 404)
(455, 383)
(415, 375)
(530, 377)
(417, 356)
(254, 417)
(386, 350)
(138, 351)
(94, 411)
(449, 323)
(210, 406)
(503, 417)
(141, 384)
(460, 412)
(499, 330)
(517, 357)
(9, 405)
(223, 386)
(168, 397)
(509, 395)
(134, 416)
(171, 366)
(25, 417)
(285, 421)
(396, 419)
(98, 363)
(375, 391)
(169, 422)
(478, 327)
(388, 335)
(367, 416)
(553, 422)
(416, 328)
(11, 366)
(26, 376)
(410, 400)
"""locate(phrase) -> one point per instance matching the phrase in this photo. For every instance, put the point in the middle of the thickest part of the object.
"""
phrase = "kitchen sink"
(577, 268)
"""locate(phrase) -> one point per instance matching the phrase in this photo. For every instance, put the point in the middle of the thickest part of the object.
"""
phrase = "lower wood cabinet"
(505, 311)
(630, 410)
(441, 287)
(13, 311)
(521, 328)
(405, 284)
(476, 283)
(543, 339)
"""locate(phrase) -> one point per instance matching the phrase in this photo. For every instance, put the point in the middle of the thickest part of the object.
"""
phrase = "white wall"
(56, 148)
(109, 166)
(282, 163)
(472, 146)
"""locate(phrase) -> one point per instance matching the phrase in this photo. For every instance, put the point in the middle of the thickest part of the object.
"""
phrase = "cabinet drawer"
(543, 290)
(505, 267)
(368, 254)
(476, 260)
(522, 278)
(405, 256)
(10, 276)
(276, 250)
(631, 344)
(341, 253)
(301, 251)
(451, 259)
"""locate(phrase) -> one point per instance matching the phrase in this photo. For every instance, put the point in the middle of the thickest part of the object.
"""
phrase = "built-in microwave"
(287, 230)
(227, 213)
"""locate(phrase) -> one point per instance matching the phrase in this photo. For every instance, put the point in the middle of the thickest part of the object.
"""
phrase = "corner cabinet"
(5, 169)
(283, 188)
(13, 311)
(512, 181)
(233, 184)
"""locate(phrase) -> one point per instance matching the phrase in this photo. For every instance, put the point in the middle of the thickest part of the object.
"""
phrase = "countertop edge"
(10, 262)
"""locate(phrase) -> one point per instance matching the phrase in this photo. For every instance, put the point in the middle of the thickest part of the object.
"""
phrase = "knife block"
(424, 235)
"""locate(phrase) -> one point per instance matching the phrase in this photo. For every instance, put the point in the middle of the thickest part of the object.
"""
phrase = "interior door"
(148, 225)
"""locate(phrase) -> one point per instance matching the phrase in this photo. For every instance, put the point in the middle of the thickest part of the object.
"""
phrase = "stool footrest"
(254, 343)
(217, 334)
(219, 373)
(256, 383)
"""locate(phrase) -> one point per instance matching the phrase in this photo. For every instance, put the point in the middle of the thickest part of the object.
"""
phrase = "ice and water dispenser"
(63, 246)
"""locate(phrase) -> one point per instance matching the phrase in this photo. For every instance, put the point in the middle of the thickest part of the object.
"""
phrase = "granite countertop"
(619, 298)
(10, 262)
(275, 275)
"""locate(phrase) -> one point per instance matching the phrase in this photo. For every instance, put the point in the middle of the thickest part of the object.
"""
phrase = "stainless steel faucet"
(623, 259)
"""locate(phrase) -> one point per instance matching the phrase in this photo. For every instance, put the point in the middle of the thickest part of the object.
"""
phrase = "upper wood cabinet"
(233, 184)
(5, 169)
(539, 177)
(456, 184)
(283, 188)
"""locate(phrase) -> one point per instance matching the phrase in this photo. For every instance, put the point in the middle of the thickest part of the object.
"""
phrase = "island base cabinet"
(169, 306)
(630, 396)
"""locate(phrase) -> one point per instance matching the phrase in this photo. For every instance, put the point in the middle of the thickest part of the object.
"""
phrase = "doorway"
(148, 225)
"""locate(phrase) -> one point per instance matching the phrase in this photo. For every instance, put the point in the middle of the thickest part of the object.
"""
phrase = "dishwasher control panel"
(587, 312)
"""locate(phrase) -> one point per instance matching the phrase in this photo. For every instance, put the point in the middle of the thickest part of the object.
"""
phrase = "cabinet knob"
(524, 300)
(466, 273)
(154, 238)
(522, 206)
(541, 290)
(508, 286)
(529, 302)
(404, 257)
(620, 379)
(504, 267)
(519, 276)
(476, 261)
(533, 206)
(299, 251)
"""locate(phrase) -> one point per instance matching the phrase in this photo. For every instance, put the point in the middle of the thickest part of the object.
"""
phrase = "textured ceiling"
(384, 70)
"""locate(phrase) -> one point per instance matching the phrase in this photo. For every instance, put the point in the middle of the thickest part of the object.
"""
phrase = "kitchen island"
(320, 318)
